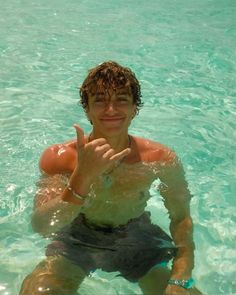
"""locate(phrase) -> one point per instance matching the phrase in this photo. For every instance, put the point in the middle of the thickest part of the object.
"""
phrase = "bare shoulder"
(59, 158)
(151, 151)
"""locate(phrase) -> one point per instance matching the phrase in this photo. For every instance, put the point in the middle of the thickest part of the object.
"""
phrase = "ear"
(134, 112)
(87, 115)
(86, 110)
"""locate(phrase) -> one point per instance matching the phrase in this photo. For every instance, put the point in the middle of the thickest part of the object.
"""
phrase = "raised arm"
(55, 205)
(59, 200)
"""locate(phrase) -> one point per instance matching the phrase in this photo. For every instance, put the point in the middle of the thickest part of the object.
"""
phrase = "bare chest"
(126, 180)
(119, 196)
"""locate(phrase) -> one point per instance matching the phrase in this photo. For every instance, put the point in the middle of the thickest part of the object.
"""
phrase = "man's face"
(111, 111)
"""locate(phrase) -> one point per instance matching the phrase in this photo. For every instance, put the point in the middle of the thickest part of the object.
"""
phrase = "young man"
(93, 194)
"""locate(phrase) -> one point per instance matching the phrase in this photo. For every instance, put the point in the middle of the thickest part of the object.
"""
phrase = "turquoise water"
(184, 54)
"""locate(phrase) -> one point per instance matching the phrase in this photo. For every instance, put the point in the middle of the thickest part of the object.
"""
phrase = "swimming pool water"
(184, 54)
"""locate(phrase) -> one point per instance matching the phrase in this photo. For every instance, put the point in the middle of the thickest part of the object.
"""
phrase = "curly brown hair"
(110, 75)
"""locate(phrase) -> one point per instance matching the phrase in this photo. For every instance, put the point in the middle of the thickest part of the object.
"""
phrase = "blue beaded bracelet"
(186, 284)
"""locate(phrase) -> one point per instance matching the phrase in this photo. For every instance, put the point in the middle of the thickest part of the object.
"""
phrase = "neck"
(118, 142)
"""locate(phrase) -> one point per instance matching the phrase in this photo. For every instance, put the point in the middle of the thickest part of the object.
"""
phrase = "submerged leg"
(55, 275)
(155, 282)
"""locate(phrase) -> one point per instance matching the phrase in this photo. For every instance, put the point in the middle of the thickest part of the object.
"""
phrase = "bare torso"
(122, 193)
(119, 196)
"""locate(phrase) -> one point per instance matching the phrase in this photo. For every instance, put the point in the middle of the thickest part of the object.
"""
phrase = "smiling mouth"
(112, 119)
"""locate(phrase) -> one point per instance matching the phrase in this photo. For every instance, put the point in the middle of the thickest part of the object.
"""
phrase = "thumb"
(80, 136)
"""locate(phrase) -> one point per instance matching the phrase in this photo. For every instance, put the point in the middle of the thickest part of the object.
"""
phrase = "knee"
(53, 276)
(30, 286)
(46, 284)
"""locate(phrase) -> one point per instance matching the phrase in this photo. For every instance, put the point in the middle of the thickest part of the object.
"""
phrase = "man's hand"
(176, 290)
(97, 156)
(93, 159)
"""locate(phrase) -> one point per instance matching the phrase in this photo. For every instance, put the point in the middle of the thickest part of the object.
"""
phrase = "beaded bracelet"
(186, 284)
(74, 194)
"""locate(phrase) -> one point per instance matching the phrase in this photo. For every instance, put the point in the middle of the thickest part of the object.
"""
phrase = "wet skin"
(132, 164)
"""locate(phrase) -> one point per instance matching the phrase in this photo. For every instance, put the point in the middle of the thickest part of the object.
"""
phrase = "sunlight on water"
(183, 54)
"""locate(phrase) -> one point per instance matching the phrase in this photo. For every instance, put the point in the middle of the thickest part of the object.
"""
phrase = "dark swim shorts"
(132, 249)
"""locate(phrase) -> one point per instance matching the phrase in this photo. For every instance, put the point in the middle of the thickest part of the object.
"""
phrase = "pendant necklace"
(107, 179)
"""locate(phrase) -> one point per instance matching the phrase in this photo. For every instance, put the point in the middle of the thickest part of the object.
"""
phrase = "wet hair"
(110, 75)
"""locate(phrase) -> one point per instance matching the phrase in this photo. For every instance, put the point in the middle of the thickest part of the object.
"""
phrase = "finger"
(80, 136)
(103, 148)
(119, 156)
(97, 142)
(108, 154)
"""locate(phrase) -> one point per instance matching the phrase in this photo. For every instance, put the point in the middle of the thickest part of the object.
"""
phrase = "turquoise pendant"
(107, 180)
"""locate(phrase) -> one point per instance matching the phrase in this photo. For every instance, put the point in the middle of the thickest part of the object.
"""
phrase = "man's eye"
(99, 99)
(122, 99)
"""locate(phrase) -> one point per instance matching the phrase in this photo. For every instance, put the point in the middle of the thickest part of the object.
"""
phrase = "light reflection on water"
(184, 55)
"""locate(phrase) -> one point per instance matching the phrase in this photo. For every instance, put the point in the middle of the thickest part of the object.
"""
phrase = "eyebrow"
(117, 92)
(122, 93)
(98, 94)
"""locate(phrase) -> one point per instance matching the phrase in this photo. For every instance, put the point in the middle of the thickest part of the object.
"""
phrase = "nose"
(110, 107)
